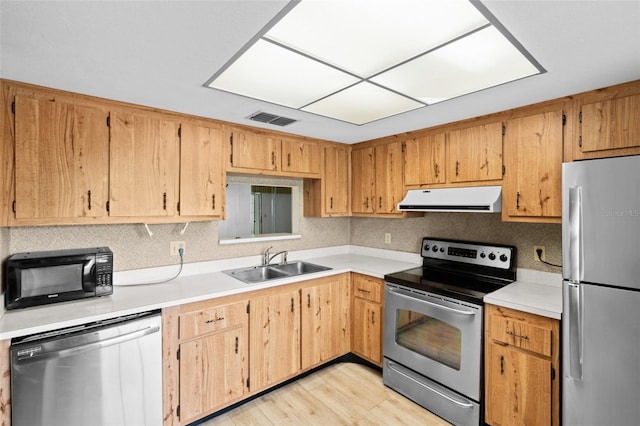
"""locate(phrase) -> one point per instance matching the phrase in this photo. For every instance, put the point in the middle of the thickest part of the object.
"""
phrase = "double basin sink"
(258, 274)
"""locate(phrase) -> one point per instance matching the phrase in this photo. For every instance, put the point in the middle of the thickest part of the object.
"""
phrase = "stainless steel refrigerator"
(601, 292)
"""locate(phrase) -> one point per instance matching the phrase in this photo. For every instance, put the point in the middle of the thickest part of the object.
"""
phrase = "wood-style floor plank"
(341, 394)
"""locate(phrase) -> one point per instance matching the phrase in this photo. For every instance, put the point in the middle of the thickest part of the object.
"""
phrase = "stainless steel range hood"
(481, 199)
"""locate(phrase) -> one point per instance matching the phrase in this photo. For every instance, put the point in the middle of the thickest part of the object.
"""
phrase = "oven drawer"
(368, 288)
(214, 319)
(518, 331)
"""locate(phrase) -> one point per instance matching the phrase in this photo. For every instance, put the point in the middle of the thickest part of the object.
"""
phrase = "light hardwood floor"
(341, 394)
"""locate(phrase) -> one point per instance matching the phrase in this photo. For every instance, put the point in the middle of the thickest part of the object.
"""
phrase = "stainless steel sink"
(299, 268)
(258, 274)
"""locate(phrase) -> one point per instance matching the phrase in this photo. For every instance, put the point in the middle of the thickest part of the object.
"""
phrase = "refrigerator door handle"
(576, 270)
(575, 331)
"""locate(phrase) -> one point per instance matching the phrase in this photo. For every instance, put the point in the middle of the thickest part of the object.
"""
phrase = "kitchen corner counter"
(535, 292)
(198, 281)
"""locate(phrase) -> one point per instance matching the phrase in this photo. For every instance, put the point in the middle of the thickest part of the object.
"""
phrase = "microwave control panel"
(104, 273)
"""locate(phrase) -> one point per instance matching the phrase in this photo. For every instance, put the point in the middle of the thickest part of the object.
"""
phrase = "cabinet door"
(611, 124)
(201, 171)
(61, 159)
(254, 151)
(336, 180)
(213, 373)
(325, 320)
(424, 160)
(300, 156)
(475, 154)
(389, 165)
(367, 330)
(144, 165)
(518, 387)
(533, 179)
(275, 338)
(363, 180)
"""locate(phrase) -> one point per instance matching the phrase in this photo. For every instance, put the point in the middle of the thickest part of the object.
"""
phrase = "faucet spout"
(284, 254)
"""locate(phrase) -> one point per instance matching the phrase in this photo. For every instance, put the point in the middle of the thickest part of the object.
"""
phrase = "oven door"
(435, 336)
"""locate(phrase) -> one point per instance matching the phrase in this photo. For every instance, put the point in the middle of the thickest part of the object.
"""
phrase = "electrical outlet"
(535, 253)
(387, 238)
(175, 246)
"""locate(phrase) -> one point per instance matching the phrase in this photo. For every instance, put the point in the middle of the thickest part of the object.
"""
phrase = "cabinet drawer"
(534, 338)
(367, 288)
(213, 319)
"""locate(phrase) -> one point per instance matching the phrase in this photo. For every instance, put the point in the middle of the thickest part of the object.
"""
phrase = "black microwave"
(38, 278)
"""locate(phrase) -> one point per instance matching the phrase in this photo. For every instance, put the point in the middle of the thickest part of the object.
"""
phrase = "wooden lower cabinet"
(367, 316)
(325, 320)
(521, 368)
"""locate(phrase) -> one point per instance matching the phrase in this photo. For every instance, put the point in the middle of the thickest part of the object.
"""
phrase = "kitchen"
(135, 247)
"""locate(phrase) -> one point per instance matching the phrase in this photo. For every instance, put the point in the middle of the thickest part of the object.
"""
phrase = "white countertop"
(534, 292)
(198, 281)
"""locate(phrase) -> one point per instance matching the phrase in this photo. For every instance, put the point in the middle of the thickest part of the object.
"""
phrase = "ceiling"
(160, 54)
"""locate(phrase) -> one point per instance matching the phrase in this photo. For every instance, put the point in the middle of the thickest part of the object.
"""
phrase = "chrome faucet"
(267, 257)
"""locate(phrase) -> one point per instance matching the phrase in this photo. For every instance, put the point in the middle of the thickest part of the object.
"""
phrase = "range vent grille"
(276, 120)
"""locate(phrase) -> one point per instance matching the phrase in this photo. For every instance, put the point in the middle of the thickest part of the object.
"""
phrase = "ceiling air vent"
(276, 120)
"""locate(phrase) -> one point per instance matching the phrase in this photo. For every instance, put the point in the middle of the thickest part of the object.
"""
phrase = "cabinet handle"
(331, 202)
(364, 291)
(89, 199)
(380, 203)
(520, 336)
(164, 201)
(292, 304)
(216, 319)
(213, 202)
(501, 365)
(273, 158)
(288, 159)
(373, 317)
(236, 344)
(437, 170)
(517, 201)
(308, 300)
(366, 202)
(457, 167)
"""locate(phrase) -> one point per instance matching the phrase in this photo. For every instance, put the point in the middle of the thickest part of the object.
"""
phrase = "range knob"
(492, 256)
(435, 248)
(503, 257)
(482, 255)
(426, 247)
(441, 249)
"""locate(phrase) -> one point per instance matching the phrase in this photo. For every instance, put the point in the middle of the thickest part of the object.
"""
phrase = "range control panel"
(496, 256)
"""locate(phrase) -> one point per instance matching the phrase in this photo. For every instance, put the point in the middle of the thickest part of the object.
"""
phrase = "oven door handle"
(444, 308)
(436, 391)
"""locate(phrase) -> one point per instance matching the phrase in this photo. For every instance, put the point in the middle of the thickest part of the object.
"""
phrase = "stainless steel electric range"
(433, 327)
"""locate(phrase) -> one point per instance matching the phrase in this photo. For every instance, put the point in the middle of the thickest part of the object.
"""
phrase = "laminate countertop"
(205, 280)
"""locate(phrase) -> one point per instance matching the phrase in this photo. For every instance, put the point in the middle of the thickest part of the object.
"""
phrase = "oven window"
(50, 280)
(429, 337)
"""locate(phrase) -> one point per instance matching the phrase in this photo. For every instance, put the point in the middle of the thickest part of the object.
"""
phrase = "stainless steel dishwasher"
(99, 374)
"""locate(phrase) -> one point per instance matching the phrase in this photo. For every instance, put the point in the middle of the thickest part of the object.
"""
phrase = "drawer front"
(534, 338)
(214, 319)
(367, 288)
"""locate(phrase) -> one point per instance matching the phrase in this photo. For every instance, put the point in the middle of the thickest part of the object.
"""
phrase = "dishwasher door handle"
(37, 356)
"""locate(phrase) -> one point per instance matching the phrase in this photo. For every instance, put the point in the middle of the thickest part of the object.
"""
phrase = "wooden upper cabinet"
(363, 180)
(475, 154)
(61, 159)
(336, 180)
(389, 168)
(300, 156)
(424, 160)
(144, 165)
(533, 178)
(202, 175)
(252, 150)
(611, 124)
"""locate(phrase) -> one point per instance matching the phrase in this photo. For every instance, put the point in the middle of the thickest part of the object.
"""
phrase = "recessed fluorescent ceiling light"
(363, 60)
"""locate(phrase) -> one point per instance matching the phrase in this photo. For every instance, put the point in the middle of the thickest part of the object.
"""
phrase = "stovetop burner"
(460, 269)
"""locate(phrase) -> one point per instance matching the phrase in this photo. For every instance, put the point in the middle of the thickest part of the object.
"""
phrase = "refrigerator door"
(601, 369)
(601, 221)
